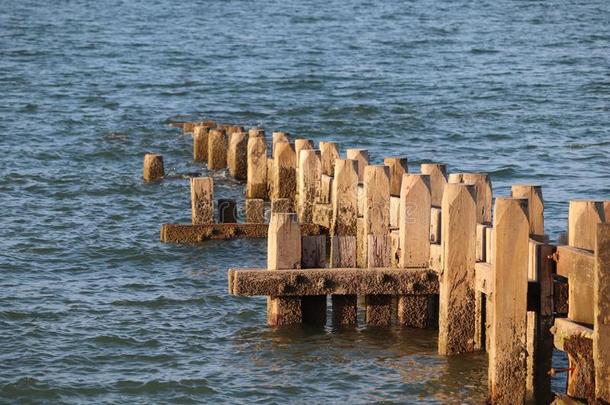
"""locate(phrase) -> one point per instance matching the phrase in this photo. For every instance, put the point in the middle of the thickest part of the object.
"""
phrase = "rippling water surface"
(93, 308)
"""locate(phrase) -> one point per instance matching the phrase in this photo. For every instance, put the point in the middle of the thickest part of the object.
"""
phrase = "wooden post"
(313, 256)
(438, 180)
(202, 200)
(361, 156)
(601, 303)
(414, 245)
(507, 351)
(377, 238)
(283, 252)
(398, 167)
(299, 145)
(256, 186)
(278, 137)
(255, 210)
(200, 143)
(153, 167)
(535, 206)
(217, 149)
(343, 235)
(583, 217)
(484, 196)
(328, 153)
(256, 133)
(237, 156)
(284, 171)
(456, 290)
(227, 211)
(310, 170)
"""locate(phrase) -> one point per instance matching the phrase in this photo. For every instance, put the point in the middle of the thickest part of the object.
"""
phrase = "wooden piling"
(507, 351)
(237, 155)
(398, 167)
(310, 170)
(438, 180)
(255, 210)
(583, 217)
(278, 137)
(414, 245)
(202, 200)
(313, 256)
(377, 237)
(283, 253)
(256, 185)
(456, 291)
(328, 153)
(284, 205)
(153, 167)
(361, 156)
(484, 195)
(227, 211)
(284, 171)
(200, 143)
(217, 149)
(601, 302)
(255, 132)
(299, 145)
(343, 235)
(535, 206)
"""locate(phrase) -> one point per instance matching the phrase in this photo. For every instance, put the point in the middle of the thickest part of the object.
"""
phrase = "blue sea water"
(94, 309)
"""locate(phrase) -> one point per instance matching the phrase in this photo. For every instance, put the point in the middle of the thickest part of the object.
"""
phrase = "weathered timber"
(583, 216)
(484, 194)
(313, 255)
(601, 304)
(153, 167)
(328, 152)
(256, 185)
(256, 133)
(323, 215)
(237, 155)
(436, 257)
(284, 171)
(284, 205)
(489, 248)
(438, 180)
(310, 170)
(414, 222)
(227, 211)
(341, 281)
(578, 266)
(456, 299)
(324, 195)
(255, 210)
(186, 233)
(507, 346)
(283, 253)
(398, 167)
(278, 137)
(435, 224)
(299, 145)
(343, 255)
(535, 205)
(202, 200)
(394, 211)
(565, 329)
(200, 143)
(481, 242)
(361, 156)
(217, 149)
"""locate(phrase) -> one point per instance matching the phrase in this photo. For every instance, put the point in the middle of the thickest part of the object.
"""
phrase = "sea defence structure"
(428, 250)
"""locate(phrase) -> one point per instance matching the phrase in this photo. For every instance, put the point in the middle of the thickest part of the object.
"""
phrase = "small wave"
(114, 340)
(193, 386)
(21, 316)
(158, 302)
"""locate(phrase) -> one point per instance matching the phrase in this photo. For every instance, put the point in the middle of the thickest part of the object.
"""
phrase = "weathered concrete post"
(256, 185)
(284, 171)
(398, 167)
(361, 156)
(328, 153)
(377, 239)
(255, 210)
(299, 145)
(601, 310)
(484, 195)
(507, 351)
(237, 155)
(438, 180)
(283, 252)
(200, 143)
(153, 167)
(278, 137)
(202, 200)
(343, 235)
(456, 324)
(535, 206)
(310, 170)
(414, 246)
(583, 215)
(217, 149)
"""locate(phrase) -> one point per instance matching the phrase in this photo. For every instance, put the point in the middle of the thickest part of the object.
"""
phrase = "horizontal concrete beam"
(343, 281)
(178, 233)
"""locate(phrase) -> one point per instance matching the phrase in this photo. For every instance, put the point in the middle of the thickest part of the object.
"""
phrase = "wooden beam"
(342, 281)
(535, 205)
(186, 233)
(583, 217)
(565, 329)
(456, 300)
(601, 303)
(507, 351)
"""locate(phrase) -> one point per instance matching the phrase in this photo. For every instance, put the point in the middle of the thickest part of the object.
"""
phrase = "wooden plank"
(456, 296)
(583, 217)
(343, 254)
(535, 206)
(342, 281)
(361, 156)
(202, 200)
(398, 167)
(438, 180)
(414, 223)
(482, 277)
(489, 240)
(325, 190)
(507, 350)
(436, 257)
(394, 211)
(308, 183)
(601, 300)
(256, 185)
(187, 233)
(322, 215)
(217, 149)
(344, 201)
(283, 253)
